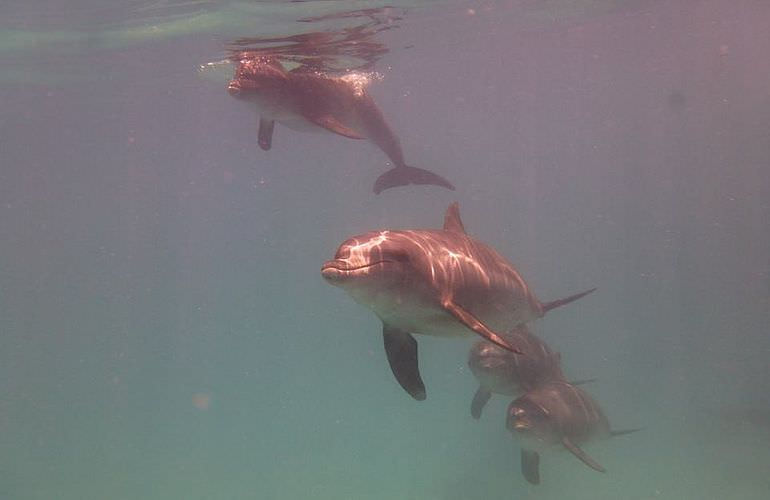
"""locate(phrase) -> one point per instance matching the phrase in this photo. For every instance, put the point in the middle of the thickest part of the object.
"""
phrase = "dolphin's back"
(476, 277)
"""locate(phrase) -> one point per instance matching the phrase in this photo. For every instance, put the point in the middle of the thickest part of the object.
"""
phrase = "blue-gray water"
(164, 330)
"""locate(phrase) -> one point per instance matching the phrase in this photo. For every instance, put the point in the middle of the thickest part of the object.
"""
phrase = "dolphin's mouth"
(234, 88)
(334, 269)
(518, 425)
(492, 364)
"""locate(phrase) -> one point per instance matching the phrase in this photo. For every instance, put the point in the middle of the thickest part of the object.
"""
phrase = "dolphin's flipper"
(477, 326)
(331, 124)
(583, 456)
(404, 175)
(479, 400)
(265, 134)
(452, 220)
(530, 466)
(401, 349)
(566, 300)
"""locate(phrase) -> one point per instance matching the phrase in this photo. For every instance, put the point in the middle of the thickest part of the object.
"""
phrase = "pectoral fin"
(477, 326)
(479, 400)
(401, 349)
(530, 466)
(583, 456)
(265, 134)
(332, 124)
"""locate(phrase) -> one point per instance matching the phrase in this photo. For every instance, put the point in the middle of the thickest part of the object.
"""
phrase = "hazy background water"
(164, 330)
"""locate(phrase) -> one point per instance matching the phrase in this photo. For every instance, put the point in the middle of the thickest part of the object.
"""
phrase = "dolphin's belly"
(422, 314)
(285, 112)
(299, 123)
(290, 120)
(426, 321)
(314, 98)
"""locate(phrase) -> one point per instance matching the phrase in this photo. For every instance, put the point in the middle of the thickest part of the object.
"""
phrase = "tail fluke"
(566, 300)
(404, 175)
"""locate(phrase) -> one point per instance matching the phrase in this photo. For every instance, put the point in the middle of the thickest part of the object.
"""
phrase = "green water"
(164, 329)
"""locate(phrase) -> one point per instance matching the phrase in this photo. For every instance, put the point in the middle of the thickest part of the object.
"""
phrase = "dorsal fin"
(452, 220)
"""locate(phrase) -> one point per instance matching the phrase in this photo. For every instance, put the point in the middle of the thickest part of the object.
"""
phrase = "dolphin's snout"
(333, 270)
(234, 88)
(516, 421)
(337, 269)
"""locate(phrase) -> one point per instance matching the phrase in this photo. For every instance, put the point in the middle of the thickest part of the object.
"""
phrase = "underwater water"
(165, 332)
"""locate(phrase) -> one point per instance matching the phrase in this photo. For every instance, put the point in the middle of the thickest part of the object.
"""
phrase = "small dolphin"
(302, 100)
(436, 282)
(557, 413)
(501, 372)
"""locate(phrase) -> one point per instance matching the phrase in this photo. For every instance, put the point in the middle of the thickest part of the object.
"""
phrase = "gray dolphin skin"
(306, 100)
(437, 282)
(501, 372)
(557, 414)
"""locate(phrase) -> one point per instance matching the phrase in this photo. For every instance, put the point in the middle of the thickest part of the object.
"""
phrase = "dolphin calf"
(554, 414)
(436, 282)
(501, 372)
(302, 100)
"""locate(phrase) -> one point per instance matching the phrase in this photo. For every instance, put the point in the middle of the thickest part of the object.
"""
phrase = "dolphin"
(306, 100)
(501, 372)
(557, 414)
(436, 282)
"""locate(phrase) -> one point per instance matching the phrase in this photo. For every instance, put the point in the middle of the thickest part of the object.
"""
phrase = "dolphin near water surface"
(307, 100)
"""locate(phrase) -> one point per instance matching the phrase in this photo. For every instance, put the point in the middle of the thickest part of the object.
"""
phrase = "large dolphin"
(556, 414)
(302, 99)
(436, 282)
(502, 372)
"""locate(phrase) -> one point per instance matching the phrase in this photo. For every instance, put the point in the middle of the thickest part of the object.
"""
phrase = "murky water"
(164, 329)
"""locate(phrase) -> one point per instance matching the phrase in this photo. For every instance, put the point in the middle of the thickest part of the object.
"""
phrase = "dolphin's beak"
(492, 363)
(515, 420)
(234, 88)
(337, 269)
(334, 270)
(515, 425)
